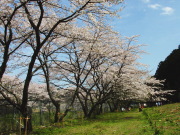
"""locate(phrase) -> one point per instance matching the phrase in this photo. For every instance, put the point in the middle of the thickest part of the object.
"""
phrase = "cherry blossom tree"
(46, 60)
(11, 90)
(92, 67)
(38, 22)
(10, 39)
(107, 71)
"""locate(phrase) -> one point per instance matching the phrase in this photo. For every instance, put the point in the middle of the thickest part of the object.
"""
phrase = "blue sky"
(158, 24)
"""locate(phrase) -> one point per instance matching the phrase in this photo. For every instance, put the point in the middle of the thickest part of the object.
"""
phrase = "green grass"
(126, 123)
(164, 120)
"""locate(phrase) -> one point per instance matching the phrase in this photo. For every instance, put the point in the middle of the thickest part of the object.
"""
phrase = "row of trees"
(64, 51)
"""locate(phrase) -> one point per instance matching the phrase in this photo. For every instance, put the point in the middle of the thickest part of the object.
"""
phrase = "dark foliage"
(169, 70)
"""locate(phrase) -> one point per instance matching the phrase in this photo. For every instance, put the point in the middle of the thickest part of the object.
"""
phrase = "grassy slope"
(165, 119)
(158, 120)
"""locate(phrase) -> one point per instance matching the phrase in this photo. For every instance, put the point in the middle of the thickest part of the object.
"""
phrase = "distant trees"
(169, 70)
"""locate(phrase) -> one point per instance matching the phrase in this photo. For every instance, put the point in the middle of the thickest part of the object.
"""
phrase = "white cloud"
(167, 11)
(154, 6)
(146, 1)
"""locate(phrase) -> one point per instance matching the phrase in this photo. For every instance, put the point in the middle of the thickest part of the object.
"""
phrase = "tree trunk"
(110, 107)
(4, 63)
(100, 109)
(57, 113)
(27, 120)
(115, 106)
(64, 114)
